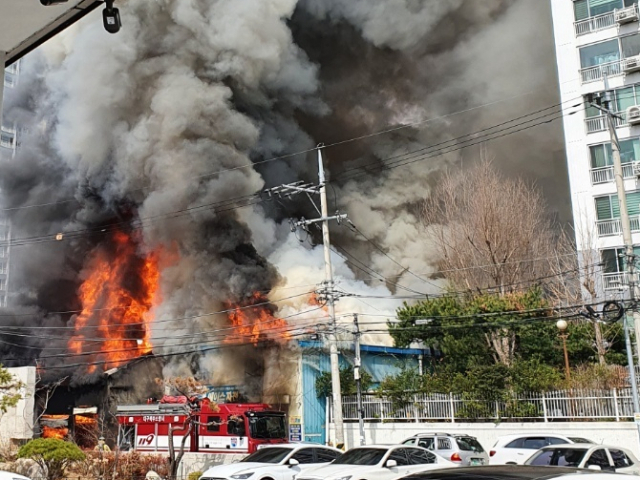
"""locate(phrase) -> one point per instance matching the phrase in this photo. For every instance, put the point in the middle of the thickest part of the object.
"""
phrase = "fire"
(117, 295)
(254, 322)
(59, 433)
(314, 300)
(54, 426)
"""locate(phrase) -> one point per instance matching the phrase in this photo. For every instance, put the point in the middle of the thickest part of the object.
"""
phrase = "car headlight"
(347, 477)
(242, 476)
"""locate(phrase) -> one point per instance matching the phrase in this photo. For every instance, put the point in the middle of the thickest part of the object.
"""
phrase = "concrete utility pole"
(333, 341)
(356, 376)
(3, 57)
(327, 291)
(625, 224)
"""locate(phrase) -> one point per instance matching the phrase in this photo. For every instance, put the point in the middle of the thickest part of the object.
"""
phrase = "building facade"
(9, 133)
(597, 47)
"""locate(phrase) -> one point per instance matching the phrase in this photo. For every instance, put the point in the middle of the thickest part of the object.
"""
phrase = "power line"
(303, 152)
(249, 199)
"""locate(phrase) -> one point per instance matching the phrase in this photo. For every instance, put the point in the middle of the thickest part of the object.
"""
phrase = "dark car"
(511, 472)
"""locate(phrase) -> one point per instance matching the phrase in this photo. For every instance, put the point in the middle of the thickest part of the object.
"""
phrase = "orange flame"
(314, 300)
(117, 295)
(255, 322)
(85, 420)
(59, 433)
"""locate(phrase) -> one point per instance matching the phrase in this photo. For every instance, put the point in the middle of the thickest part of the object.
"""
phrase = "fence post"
(416, 408)
(381, 409)
(544, 408)
(615, 403)
(453, 413)
(497, 411)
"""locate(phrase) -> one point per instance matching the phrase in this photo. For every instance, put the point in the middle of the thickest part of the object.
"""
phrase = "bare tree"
(492, 233)
(43, 395)
(579, 270)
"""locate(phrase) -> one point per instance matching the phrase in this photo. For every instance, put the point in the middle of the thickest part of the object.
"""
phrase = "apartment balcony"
(614, 281)
(605, 174)
(595, 24)
(611, 69)
(607, 228)
(599, 124)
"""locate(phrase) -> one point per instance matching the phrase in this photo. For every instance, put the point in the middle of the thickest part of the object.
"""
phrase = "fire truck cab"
(223, 428)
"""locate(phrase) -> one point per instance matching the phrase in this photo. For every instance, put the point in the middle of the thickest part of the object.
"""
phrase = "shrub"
(194, 475)
(52, 455)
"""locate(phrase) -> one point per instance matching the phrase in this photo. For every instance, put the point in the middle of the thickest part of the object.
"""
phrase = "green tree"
(9, 386)
(52, 455)
(347, 382)
(482, 329)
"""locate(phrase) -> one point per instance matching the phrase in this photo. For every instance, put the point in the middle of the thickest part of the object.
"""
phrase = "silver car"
(461, 449)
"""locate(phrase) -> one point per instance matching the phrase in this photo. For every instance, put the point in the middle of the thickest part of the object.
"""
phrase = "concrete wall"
(18, 421)
(624, 434)
(194, 462)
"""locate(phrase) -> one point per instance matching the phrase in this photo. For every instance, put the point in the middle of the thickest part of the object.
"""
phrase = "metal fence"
(564, 405)
(595, 24)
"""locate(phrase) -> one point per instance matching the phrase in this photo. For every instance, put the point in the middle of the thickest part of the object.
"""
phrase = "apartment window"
(3, 252)
(590, 8)
(608, 207)
(614, 260)
(621, 99)
(602, 155)
(630, 45)
(599, 53)
(7, 139)
(3, 268)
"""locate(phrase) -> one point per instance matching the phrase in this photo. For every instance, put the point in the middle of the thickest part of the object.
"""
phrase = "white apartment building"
(596, 39)
(8, 144)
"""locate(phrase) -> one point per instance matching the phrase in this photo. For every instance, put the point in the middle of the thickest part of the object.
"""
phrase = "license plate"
(476, 461)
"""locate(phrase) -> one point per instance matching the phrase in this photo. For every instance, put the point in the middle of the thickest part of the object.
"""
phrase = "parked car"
(513, 472)
(277, 462)
(377, 462)
(587, 455)
(458, 448)
(12, 476)
(516, 448)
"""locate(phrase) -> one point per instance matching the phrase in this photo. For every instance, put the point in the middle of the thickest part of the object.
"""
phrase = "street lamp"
(562, 327)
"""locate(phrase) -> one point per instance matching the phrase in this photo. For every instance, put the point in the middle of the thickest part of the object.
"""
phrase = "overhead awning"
(26, 24)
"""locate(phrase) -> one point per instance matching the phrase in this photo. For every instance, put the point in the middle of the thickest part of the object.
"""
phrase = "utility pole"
(624, 215)
(356, 376)
(626, 237)
(327, 290)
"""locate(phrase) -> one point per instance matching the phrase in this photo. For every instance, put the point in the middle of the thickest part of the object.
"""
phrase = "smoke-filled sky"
(160, 125)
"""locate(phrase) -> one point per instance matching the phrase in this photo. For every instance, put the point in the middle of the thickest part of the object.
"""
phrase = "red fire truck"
(223, 428)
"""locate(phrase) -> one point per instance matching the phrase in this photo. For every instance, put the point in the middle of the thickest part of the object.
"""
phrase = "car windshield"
(558, 457)
(360, 456)
(469, 444)
(579, 440)
(268, 455)
(266, 426)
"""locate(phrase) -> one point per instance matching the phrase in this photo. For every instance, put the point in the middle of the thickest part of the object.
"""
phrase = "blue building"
(378, 361)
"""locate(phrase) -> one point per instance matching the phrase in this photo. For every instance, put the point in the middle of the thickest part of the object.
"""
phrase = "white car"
(276, 462)
(517, 448)
(587, 455)
(12, 476)
(378, 462)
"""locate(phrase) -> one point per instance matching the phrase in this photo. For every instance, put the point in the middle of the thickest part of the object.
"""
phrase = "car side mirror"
(292, 462)
(594, 467)
(391, 464)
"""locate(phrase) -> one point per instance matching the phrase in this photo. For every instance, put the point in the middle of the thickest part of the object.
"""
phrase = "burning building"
(137, 221)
